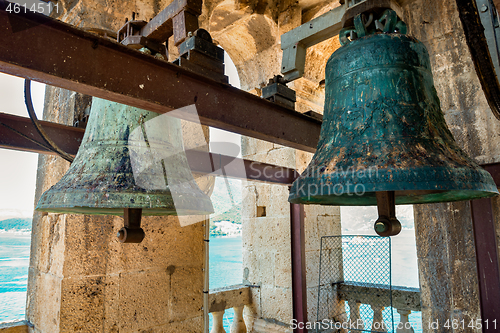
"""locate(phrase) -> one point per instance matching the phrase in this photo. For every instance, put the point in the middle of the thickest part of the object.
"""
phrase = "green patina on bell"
(102, 179)
(383, 130)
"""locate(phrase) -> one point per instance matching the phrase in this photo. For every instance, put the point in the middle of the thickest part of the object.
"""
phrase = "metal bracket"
(277, 92)
(295, 42)
(177, 19)
(130, 35)
(199, 54)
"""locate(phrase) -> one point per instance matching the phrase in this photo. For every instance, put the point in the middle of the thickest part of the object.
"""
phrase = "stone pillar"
(447, 264)
(445, 242)
(266, 239)
(81, 278)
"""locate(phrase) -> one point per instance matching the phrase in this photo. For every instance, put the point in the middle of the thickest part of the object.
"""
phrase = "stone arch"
(251, 40)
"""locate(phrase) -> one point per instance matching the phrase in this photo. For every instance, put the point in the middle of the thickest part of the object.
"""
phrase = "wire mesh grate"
(355, 293)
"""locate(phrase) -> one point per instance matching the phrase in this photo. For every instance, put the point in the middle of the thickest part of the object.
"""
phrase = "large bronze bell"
(127, 165)
(384, 137)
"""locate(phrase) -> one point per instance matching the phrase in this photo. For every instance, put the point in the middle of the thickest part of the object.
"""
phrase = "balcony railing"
(404, 300)
(235, 297)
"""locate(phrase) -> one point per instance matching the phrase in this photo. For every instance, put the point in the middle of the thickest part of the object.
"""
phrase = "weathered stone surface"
(312, 269)
(249, 202)
(43, 301)
(263, 326)
(447, 263)
(466, 111)
(402, 298)
(278, 304)
(282, 272)
(144, 298)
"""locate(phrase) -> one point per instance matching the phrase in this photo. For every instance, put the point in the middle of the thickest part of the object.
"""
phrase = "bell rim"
(414, 195)
(118, 211)
(450, 185)
(103, 203)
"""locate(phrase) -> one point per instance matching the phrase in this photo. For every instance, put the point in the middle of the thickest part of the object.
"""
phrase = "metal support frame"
(177, 19)
(487, 263)
(18, 133)
(295, 42)
(199, 54)
(70, 58)
(16, 130)
(277, 92)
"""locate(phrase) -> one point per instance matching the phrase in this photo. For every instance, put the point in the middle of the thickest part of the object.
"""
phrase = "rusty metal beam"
(61, 55)
(222, 165)
(14, 131)
(494, 170)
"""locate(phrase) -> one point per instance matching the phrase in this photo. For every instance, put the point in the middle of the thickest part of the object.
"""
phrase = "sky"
(18, 169)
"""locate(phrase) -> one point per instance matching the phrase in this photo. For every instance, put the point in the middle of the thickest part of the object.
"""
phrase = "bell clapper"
(387, 224)
(131, 231)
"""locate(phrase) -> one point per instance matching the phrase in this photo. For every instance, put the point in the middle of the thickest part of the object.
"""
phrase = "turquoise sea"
(225, 268)
(14, 261)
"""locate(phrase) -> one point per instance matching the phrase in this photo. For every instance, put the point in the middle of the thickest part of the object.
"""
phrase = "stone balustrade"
(404, 300)
(220, 299)
(18, 326)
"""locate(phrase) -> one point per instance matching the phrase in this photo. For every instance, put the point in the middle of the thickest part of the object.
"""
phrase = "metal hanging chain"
(38, 126)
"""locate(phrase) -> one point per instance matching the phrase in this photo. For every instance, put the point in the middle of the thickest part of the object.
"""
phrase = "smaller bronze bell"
(126, 166)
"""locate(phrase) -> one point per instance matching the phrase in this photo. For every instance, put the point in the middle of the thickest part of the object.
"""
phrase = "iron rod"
(299, 286)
